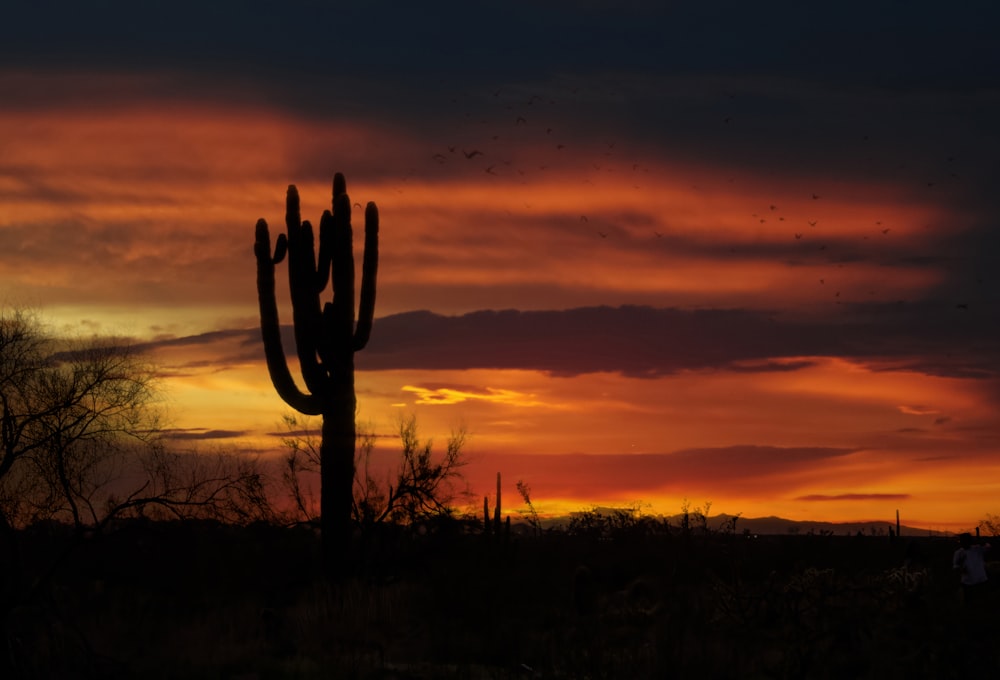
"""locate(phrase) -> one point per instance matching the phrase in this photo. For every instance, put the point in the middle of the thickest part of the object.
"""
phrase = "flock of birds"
(490, 154)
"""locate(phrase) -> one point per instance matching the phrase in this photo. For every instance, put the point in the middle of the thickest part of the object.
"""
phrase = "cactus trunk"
(325, 341)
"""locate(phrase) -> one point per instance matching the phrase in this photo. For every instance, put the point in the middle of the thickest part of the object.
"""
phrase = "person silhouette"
(969, 562)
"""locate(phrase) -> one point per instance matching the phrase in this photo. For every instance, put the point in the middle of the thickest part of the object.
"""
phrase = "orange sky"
(744, 302)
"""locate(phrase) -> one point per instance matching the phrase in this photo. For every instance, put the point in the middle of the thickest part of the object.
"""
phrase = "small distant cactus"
(496, 526)
(496, 510)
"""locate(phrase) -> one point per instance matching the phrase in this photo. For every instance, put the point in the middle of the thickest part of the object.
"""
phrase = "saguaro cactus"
(326, 339)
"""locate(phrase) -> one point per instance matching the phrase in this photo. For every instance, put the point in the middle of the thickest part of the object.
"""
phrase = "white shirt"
(972, 563)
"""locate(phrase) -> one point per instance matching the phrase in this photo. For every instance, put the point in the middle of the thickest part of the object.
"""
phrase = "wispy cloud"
(855, 497)
(188, 434)
(456, 394)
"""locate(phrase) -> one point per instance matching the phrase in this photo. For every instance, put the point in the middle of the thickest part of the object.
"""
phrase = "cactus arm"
(280, 249)
(327, 232)
(305, 297)
(339, 186)
(369, 271)
(270, 328)
(342, 311)
(325, 259)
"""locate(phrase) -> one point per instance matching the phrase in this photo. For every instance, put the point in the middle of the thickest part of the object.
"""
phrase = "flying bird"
(603, 235)
(798, 236)
(473, 153)
(812, 223)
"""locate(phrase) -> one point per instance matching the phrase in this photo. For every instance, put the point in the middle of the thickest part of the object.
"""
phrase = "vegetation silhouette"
(326, 339)
(83, 453)
(82, 442)
(616, 594)
(422, 487)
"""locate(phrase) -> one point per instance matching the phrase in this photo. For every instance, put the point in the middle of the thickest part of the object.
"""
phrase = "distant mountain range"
(779, 525)
(771, 526)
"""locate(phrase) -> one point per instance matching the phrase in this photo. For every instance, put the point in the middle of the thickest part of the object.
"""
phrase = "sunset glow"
(773, 292)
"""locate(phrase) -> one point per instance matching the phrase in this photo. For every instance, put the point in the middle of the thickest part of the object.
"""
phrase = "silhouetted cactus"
(496, 510)
(496, 525)
(326, 339)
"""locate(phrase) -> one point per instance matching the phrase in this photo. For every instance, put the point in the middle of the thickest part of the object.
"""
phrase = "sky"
(647, 253)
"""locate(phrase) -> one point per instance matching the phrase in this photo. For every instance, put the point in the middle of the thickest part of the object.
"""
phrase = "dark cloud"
(315, 434)
(880, 44)
(296, 434)
(855, 497)
(650, 342)
(242, 337)
(853, 89)
(637, 341)
(188, 434)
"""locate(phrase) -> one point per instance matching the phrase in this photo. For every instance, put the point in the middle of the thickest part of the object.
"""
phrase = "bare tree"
(531, 513)
(80, 438)
(424, 485)
(990, 524)
(95, 406)
(301, 460)
(81, 445)
(421, 486)
(220, 485)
